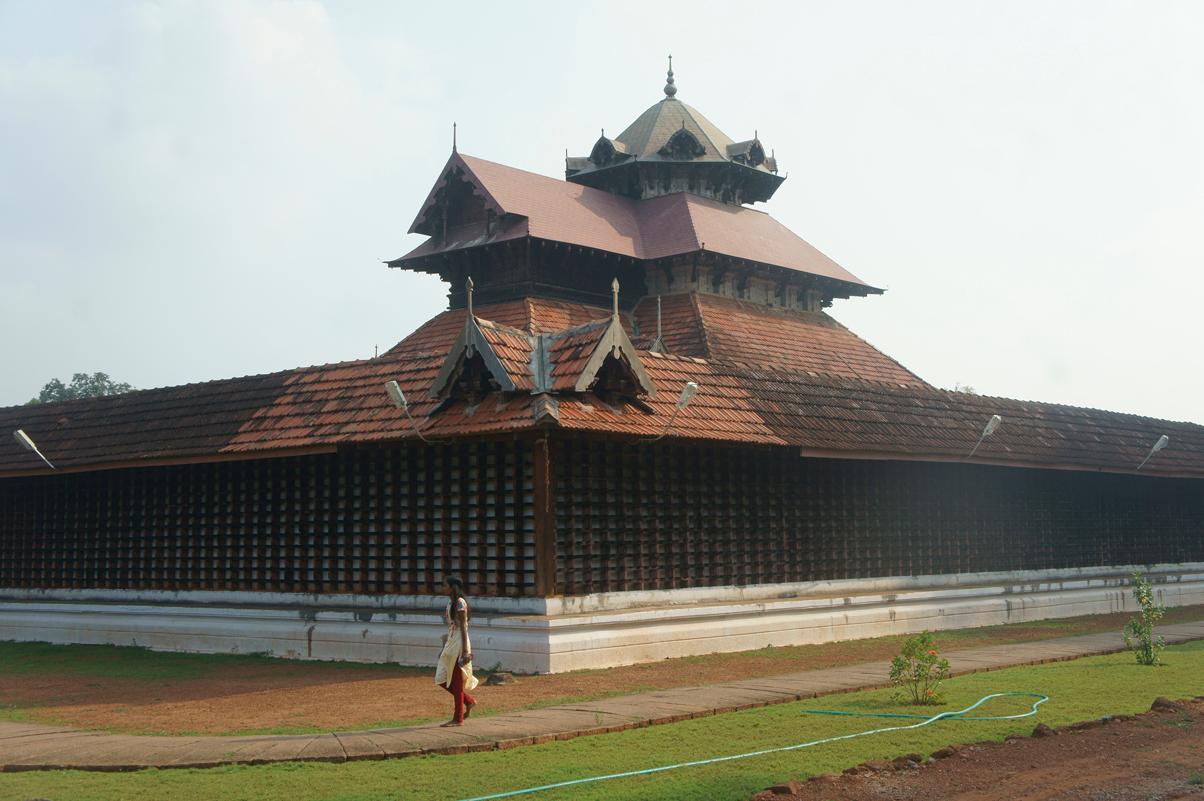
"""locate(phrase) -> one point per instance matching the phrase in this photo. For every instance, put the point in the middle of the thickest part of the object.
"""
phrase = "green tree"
(82, 386)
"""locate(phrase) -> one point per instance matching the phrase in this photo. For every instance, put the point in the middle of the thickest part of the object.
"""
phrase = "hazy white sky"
(196, 190)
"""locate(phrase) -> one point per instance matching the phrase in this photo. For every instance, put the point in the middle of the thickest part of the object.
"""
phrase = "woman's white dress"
(452, 649)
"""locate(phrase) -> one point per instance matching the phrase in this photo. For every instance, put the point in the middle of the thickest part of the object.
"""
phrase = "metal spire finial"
(658, 344)
(670, 89)
(453, 137)
(468, 286)
(614, 291)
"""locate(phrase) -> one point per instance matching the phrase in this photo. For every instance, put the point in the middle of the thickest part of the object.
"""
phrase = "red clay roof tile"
(794, 393)
(742, 332)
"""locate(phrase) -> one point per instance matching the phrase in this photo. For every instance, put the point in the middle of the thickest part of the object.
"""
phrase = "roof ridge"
(581, 328)
(509, 329)
(698, 244)
(464, 156)
(702, 324)
(1070, 408)
(694, 114)
(871, 345)
(382, 359)
(530, 306)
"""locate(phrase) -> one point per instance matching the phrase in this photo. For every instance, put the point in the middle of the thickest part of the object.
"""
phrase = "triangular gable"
(473, 341)
(572, 359)
(456, 178)
(615, 342)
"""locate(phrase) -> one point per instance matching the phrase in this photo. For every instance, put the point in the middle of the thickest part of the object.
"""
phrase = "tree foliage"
(82, 386)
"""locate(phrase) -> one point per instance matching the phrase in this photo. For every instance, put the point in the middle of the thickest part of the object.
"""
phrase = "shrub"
(1139, 631)
(918, 670)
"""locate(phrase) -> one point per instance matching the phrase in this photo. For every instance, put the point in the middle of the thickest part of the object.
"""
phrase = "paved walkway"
(38, 747)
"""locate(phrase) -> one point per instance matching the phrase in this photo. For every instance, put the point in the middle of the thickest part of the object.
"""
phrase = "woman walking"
(454, 672)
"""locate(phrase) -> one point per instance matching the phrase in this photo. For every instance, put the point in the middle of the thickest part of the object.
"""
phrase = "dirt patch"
(213, 695)
(1159, 755)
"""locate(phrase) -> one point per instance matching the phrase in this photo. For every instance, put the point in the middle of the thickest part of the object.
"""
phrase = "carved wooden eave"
(682, 146)
(471, 342)
(607, 151)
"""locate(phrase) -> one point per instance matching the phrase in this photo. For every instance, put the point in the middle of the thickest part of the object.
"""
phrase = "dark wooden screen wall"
(641, 517)
(594, 514)
(388, 520)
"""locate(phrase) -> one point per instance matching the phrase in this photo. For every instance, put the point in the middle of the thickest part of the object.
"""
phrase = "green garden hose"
(959, 715)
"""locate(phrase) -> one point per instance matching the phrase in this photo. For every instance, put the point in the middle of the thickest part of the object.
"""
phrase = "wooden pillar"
(545, 520)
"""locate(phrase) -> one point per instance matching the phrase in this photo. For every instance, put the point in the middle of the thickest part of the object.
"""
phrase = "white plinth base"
(562, 634)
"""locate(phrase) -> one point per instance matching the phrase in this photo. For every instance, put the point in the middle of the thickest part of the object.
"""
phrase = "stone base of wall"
(562, 634)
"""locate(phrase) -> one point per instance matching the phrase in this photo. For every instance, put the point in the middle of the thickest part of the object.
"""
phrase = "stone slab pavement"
(27, 746)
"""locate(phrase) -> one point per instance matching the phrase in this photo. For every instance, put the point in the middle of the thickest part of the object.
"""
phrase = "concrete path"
(37, 747)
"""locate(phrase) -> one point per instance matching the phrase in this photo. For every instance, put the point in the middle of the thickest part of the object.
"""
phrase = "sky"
(199, 190)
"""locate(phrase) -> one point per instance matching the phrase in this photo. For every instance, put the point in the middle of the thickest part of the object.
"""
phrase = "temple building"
(635, 432)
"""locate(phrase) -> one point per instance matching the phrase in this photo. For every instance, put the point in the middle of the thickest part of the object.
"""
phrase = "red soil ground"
(1159, 755)
(286, 696)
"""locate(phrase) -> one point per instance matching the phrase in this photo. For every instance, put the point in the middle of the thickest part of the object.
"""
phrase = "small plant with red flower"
(918, 671)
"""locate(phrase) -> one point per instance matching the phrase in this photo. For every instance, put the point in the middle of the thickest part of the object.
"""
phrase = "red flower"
(931, 652)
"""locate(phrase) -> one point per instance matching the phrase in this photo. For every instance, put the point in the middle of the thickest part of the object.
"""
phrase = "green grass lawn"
(1080, 690)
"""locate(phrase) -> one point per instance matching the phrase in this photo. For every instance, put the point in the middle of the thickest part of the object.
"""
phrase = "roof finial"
(453, 137)
(658, 344)
(670, 89)
(468, 287)
(614, 291)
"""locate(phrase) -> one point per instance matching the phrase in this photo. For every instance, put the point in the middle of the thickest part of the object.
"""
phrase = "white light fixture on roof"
(990, 428)
(25, 442)
(399, 400)
(687, 394)
(683, 400)
(396, 395)
(1159, 445)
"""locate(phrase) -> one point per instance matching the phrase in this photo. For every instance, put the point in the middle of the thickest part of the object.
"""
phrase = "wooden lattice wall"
(595, 515)
(667, 516)
(373, 520)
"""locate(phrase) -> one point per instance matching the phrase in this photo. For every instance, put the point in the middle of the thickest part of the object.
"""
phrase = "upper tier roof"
(528, 204)
(673, 147)
(652, 130)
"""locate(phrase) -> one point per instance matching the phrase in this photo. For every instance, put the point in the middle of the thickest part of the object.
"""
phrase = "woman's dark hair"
(457, 586)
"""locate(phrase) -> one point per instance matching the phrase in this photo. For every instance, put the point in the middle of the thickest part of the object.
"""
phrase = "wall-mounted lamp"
(683, 400)
(399, 400)
(1159, 445)
(992, 424)
(25, 442)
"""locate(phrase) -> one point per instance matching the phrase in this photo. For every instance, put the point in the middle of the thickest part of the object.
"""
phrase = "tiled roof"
(742, 332)
(652, 129)
(301, 408)
(826, 416)
(513, 350)
(659, 227)
(570, 351)
(533, 315)
(773, 403)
